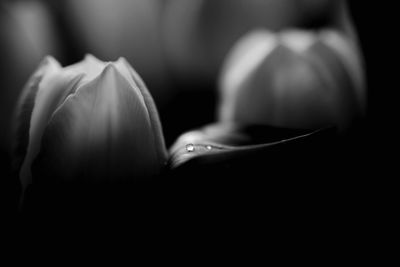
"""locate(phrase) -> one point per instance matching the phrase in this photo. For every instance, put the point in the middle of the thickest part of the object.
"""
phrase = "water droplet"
(189, 147)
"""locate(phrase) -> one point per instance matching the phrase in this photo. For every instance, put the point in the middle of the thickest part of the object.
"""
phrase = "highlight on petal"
(243, 60)
(101, 133)
(301, 82)
(297, 40)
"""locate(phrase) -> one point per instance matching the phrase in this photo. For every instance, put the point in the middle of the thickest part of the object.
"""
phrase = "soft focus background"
(177, 46)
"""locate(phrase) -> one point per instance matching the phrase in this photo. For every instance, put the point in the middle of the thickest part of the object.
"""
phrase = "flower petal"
(297, 40)
(246, 56)
(151, 108)
(101, 133)
(53, 90)
(341, 90)
(347, 52)
(24, 112)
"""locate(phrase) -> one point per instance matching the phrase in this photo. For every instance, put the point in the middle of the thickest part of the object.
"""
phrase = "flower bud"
(89, 122)
(199, 33)
(296, 79)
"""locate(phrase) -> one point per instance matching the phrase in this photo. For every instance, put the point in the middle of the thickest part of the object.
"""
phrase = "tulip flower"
(89, 122)
(293, 79)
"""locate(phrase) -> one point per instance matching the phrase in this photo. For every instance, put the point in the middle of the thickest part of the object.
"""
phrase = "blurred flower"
(199, 33)
(296, 79)
(88, 122)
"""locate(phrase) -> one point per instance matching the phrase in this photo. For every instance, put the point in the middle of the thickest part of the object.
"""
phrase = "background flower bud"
(89, 122)
(296, 79)
(200, 33)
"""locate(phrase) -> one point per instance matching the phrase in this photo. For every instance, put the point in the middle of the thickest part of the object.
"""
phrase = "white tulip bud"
(89, 122)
